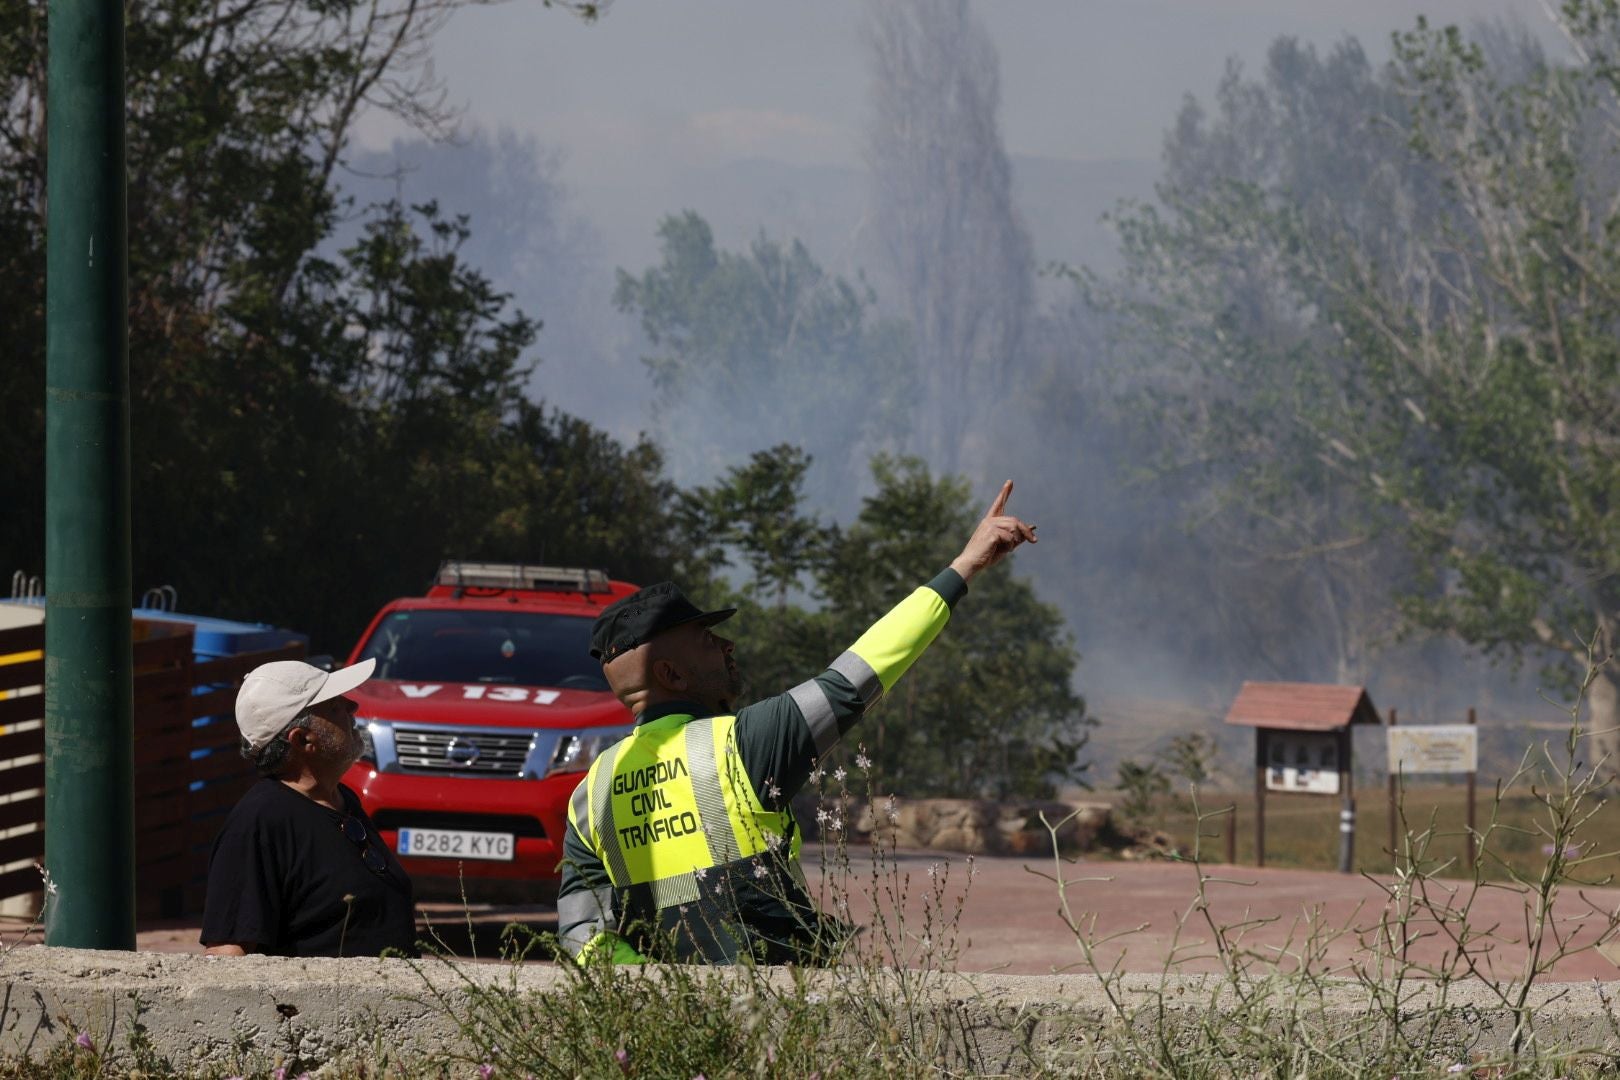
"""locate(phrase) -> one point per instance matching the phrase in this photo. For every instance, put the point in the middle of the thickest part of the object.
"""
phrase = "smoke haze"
(782, 123)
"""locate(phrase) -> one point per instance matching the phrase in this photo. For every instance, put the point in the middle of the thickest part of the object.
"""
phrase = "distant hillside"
(1139, 728)
(1062, 202)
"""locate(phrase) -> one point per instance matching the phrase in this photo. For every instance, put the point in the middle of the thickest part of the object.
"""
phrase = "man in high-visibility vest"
(680, 843)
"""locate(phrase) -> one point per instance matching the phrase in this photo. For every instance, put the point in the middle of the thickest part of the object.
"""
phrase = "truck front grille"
(484, 753)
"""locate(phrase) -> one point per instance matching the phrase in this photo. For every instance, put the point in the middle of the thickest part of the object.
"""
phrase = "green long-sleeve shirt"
(779, 741)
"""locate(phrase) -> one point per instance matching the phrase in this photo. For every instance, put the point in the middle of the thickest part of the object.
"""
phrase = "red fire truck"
(485, 710)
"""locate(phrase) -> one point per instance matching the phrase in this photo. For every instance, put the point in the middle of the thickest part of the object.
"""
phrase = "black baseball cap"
(643, 615)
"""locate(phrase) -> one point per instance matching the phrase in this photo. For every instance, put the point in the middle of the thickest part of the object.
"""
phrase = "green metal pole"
(89, 828)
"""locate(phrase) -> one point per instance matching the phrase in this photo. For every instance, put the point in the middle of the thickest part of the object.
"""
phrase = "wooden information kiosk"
(1302, 744)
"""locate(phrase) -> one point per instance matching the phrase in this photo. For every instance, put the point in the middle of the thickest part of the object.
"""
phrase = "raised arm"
(781, 737)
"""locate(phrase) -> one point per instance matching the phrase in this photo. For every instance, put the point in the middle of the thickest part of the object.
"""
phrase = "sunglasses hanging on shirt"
(375, 861)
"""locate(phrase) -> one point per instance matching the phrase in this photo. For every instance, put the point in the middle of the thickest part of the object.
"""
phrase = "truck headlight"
(576, 752)
(368, 752)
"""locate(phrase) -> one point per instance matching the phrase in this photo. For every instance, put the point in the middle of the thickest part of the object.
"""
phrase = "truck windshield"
(525, 648)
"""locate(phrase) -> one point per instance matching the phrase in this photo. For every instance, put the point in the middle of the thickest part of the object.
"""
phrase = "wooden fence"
(188, 773)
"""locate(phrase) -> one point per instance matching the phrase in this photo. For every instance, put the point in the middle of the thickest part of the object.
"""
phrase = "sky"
(654, 90)
(659, 82)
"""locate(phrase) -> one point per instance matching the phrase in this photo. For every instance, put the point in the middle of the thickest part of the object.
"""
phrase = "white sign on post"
(1437, 748)
(1305, 761)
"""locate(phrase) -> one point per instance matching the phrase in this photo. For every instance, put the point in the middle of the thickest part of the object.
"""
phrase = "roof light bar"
(522, 576)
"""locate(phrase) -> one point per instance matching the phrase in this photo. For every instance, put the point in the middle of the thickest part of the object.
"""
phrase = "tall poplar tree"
(943, 217)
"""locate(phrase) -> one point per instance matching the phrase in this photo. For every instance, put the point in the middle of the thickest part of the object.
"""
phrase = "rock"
(1028, 842)
(980, 826)
(1084, 831)
(957, 838)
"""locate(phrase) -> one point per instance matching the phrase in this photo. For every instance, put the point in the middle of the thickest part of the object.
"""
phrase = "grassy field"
(1303, 831)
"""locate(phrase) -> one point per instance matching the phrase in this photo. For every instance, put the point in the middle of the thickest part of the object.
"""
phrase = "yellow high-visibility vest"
(673, 801)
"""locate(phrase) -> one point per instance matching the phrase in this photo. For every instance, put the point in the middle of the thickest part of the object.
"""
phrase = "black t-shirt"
(280, 870)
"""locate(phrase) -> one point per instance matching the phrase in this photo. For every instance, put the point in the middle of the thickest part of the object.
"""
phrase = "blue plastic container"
(214, 638)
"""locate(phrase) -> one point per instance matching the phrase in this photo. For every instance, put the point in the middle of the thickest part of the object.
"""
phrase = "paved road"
(1141, 915)
(995, 914)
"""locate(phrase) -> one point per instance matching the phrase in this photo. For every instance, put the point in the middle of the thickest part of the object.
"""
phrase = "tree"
(1188, 760)
(1142, 789)
(1446, 325)
(755, 511)
(753, 515)
(313, 430)
(1215, 347)
(528, 238)
(763, 346)
(942, 212)
(990, 708)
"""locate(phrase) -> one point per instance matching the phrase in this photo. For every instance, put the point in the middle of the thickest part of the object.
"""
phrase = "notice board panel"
(1306, 761)
(1434, 748)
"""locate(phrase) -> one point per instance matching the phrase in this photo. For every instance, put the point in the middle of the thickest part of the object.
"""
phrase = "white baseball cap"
(274, 694)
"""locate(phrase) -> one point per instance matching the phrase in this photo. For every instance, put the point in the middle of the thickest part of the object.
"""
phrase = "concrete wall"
(255, 1012)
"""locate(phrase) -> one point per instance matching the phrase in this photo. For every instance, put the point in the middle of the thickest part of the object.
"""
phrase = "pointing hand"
(996, 535)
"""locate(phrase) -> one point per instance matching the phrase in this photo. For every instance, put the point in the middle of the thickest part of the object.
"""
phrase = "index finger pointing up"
(1000, 504)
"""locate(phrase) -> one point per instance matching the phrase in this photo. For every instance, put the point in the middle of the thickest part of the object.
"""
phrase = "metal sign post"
(1473, 723)
(89, 710)
(1439, 748)
(1347, 806)
(1260, 797)
(1394, 803)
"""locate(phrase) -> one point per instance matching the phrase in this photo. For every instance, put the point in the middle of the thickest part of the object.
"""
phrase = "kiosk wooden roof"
(1301, 706)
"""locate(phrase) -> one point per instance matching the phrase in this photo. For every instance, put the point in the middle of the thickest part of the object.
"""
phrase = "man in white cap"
(298, 869)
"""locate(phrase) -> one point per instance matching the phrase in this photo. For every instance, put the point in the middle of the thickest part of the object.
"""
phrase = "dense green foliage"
(1215, 351)
(989, 709)
(1381, 305)
(327, 399)
(313, 429)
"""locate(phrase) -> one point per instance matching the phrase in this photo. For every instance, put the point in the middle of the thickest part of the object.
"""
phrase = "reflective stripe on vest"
(892, 644)
(673, 801)
(585, 914)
